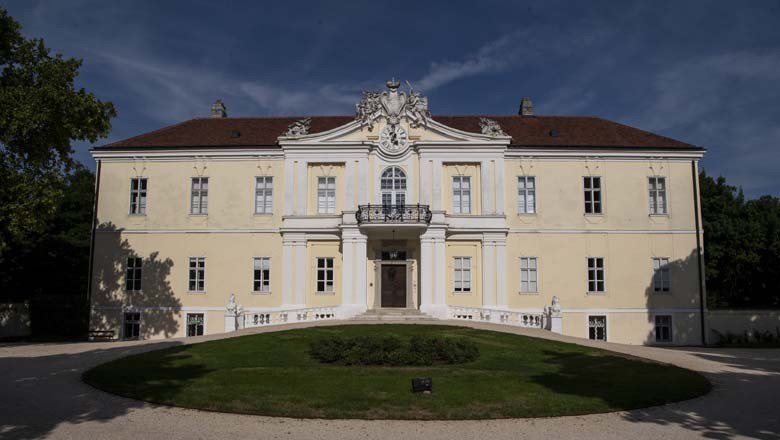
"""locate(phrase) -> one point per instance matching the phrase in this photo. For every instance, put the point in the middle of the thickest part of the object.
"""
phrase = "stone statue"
(392, 105)
(231, 305)
(490, 127)
(555, 307)
(299, 128)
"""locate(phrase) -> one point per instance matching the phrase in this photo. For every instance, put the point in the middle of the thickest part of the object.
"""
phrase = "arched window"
(393, 187)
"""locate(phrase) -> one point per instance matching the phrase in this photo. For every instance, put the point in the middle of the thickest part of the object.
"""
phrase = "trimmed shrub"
(392, 351)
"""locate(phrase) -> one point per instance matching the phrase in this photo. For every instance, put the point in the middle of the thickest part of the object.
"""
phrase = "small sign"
(422, 384)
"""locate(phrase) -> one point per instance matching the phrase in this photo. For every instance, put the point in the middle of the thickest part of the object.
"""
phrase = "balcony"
(393, 214)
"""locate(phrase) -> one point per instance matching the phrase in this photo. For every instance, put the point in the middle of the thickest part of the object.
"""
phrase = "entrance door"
(393, 285)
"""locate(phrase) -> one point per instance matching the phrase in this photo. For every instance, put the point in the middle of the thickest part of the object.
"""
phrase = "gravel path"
(42, 396)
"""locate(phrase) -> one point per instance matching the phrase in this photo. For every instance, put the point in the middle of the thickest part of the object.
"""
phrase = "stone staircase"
(392, 315)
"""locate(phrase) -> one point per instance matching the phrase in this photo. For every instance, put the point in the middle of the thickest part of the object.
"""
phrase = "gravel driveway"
(42, 396)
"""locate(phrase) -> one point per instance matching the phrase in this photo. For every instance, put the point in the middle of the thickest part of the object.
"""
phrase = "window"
(657, 188)
(200, 195)
(461, 194)
(595, 274)
(133, 274)
(663, 328)
(132, 325)
(264, 195)
(393, 186)
(462, 274)
(138, 196)
(528, 275)
(597, 328)
(526, 194)
(662, 279)
(262, 275)
(592, 195)
(197, 274)
(195, 324)
(325, 274)
(326, 195)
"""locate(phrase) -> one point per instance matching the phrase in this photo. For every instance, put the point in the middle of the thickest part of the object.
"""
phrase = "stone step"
(393, 315)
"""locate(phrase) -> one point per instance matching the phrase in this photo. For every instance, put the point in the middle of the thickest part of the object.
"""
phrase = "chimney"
(526, 107)
(218, 110)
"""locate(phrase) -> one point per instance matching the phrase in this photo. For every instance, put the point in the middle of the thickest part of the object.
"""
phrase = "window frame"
(664, 269)
(606, 326)
(135, 323)
(136, 270)
(526, 191)
(456, 271)
(263, 279)
(267, 191)
(393, 186)
(327, 194)
(656, 326)
(529, 269)
(139, 191)
(187, 334)
(200, 195)
(596, 269)
(324, 271)
(202, 278)
(592, 191)
(459, 191)
(652, 195)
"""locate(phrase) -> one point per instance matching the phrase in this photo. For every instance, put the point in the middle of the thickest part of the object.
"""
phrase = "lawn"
(514, 376)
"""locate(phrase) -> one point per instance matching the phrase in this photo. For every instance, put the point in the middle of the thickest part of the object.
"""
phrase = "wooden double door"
(393, 285)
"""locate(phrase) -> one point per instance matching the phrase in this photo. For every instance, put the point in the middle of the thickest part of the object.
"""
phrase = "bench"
(101, 335)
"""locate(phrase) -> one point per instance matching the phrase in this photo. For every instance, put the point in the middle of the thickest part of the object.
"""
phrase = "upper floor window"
(138, 196)
(662, 279)
(393, 186)
(197, 276)
(526, 194)
(592, 186)
(528, 275)
(595, 274)
(325, 274)
(657, 189)
(133, 274)
(326, 195)
(462, 274)
(264, 195)
(199, 195)
(262, 275)
(461, 194)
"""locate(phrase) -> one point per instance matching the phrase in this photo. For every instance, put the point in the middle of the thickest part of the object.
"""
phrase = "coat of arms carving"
(392, 105)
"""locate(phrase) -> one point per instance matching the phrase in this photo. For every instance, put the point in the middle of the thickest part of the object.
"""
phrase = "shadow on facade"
(159, 306)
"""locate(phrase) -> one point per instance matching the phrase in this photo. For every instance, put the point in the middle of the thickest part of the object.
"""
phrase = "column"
(347, 266)
(288, 265)
(354, 267)
(436, 184)
(501, 273)
(486, 184)
(301, 273)
(363, 181)
(433, 266)
(301, 184)
(499, 177)
(440, 282)
(426, 272)
(425, 182)
(488, 273)
(361, 269)
(289, 187)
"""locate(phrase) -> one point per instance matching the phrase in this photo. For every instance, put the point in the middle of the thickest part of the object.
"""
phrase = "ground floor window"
(663, 328)
(195, 324)
(132, 325)
(325, 274)
(597, 328)
(462, 274)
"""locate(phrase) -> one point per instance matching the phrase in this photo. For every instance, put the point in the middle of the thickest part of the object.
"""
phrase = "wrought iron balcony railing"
(378, 214)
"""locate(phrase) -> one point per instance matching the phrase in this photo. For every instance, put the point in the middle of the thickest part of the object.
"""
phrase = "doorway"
(393, 285)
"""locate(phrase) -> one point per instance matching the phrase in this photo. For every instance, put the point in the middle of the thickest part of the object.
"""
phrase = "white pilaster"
(436, 185)
(361, 268)
(426, 272)
(440, 283)
(289, 187)
(499, 177)
(501, 273)
(301, 185)
(425, 182)
(288, 266)
(349, 202)
(433, 267)
(347, 273)
(355, 265)
(363, 181)
(486, 183)
(488, 273)
(301, 272)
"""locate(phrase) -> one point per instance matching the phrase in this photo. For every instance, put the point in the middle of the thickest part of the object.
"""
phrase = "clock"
(393, 138)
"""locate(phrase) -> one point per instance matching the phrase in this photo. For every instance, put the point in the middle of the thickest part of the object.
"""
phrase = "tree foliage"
(41, 114)
(741, 246)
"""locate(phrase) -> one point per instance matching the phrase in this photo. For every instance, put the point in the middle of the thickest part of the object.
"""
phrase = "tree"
(41, 114)
(741, 246)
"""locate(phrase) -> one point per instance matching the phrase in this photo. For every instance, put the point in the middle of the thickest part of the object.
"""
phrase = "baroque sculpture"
(490, 127)
(299, 128)
(392, 105)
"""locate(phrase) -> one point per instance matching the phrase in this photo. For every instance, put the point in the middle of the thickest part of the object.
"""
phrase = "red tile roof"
(542, 131)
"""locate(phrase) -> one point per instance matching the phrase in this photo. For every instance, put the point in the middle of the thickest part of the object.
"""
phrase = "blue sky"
(705, 72)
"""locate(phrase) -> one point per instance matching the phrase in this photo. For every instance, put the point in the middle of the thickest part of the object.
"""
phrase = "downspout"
(92, 244)
(699, 253)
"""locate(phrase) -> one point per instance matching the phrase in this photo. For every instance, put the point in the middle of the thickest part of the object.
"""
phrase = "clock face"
(393, 138)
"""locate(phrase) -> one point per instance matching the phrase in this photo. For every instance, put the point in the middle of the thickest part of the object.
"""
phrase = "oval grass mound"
(514, 376)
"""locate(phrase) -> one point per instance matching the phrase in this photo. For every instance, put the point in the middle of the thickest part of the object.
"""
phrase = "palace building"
(576, 225)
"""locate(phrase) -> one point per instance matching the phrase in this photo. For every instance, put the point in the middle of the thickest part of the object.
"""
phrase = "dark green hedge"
(393, 351)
